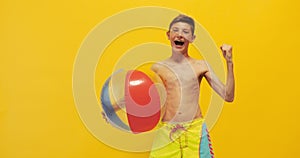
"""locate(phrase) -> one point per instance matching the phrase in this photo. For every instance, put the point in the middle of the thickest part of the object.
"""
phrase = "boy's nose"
(180, 33)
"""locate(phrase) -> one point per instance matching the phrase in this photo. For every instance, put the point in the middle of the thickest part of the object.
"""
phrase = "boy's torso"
(181, 80)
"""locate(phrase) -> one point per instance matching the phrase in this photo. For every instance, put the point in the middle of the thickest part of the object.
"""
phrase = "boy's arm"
(155, 67)
(120, 104)
(225, 91)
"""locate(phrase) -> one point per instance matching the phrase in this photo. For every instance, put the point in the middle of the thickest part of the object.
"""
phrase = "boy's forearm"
(230, 82)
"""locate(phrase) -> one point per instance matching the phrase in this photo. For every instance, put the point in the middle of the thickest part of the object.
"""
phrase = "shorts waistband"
(184, 124)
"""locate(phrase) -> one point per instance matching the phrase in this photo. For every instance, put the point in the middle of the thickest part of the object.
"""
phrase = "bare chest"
(179, 76)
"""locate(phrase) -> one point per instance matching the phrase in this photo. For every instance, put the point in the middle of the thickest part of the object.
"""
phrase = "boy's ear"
(168, 34)
(193, 38)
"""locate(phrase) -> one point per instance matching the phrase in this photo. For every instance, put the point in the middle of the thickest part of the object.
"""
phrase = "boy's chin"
(179, 49)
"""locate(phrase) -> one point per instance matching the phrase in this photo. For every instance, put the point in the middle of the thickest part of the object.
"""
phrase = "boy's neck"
(179, 56)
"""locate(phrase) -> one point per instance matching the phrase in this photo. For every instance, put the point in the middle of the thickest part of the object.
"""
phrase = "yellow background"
(40, 40)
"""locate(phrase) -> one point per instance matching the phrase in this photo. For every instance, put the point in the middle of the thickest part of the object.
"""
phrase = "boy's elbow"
(229, 98)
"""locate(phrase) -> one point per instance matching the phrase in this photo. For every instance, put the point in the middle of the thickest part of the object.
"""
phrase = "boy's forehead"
(181, 25)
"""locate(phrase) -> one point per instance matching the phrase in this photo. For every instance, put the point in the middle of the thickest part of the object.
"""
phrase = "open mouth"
(179, 43)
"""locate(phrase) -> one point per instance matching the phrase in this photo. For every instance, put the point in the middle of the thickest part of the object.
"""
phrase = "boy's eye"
(185, 31)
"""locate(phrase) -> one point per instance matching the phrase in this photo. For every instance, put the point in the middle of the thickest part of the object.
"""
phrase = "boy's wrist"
(229, 61)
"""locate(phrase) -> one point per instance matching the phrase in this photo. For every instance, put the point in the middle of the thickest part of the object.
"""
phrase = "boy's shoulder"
(158, 65)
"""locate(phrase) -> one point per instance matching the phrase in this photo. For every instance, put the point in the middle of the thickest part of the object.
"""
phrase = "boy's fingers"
(104, 117)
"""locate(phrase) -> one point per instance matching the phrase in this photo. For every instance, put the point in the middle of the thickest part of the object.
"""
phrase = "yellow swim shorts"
(182, 140)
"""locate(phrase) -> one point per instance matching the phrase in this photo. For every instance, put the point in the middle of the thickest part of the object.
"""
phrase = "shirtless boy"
(182, 130)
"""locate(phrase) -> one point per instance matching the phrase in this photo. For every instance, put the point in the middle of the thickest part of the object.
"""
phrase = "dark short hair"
(185, 19)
